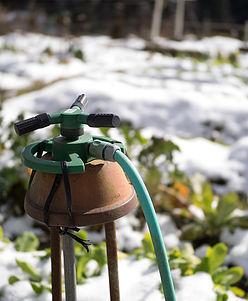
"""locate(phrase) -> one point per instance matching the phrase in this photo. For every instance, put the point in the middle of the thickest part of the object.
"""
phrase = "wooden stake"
(112, 261)
(69, 268)
(56, 264)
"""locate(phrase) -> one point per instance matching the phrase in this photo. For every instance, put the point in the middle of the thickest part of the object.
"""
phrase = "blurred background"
(118, 18)
(175, 71)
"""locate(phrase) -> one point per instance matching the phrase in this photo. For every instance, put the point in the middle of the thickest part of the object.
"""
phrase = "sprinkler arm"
(71, 120)
(72, 145)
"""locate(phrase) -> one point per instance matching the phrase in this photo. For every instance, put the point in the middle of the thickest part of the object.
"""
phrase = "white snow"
(15, 226)
(238, 242)
(187, 101)
(196, 287)
(214, 161)
(172, 95)
(212, 46)
(139, 280)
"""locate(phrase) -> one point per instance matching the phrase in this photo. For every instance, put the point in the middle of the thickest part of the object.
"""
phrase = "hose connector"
(103, 150)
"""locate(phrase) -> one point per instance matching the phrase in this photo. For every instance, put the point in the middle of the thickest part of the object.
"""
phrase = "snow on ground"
(181, 111)
(15, 226)
(188, 101)
(172, 95)
(129, 239)
(166, 95)
(215, 161)
(238, 241)
(139, 280)
(212, 46)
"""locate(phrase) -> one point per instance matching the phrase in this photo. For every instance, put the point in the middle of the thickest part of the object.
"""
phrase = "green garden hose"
(150, 216)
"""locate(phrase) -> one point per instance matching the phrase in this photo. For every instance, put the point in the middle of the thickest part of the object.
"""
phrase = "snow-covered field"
(201, 106)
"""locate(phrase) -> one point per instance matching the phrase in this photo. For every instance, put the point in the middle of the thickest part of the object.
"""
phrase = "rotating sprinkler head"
(92, 191)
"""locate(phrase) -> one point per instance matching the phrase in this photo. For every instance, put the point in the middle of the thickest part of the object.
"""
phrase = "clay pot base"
(99, 195)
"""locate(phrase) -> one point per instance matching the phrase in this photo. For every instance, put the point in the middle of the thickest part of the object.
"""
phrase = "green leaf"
(38, 288)
(228, 277)
(99, 255)
(1, 233)
(153, 179)
(27, 242)
(138, 136)
(222, 297)
(28, 269)
(81, 269)
(225, 207)
(2, 238)
(13, 279)
(203, 266)
(157, 147)
(78, 53)
(138, 253)
(46, 255)
(148, 248)
(82, 234)
(207, 195)
(239, 221)
(147, 243)
(132, 136)
(193, 231)
(216, 256)
(104, 131)
(237, 291)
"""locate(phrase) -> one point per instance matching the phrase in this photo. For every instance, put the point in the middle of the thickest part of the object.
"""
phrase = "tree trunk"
(179, 19)
(157, 19)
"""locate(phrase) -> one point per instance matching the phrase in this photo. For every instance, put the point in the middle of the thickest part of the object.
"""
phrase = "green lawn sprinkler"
(79, 181)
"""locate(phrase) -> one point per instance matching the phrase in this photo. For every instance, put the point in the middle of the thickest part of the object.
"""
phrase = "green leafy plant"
(232, 59)
(13, 179)
(184, 259)
(29, 270)
(27, 242)
(217, 213)
(147, 249)
(156, 153)
(2, 237)
(32, 275)
(13, 279)
(155, 160)
(97, 256)
(133, 137)
(78, 53)
(223, 277)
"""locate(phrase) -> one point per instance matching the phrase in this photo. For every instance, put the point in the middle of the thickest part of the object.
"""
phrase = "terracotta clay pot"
(99, 195)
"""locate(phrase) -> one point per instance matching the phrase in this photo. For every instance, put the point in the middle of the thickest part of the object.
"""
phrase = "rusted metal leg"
(112, 261)
(56, 264)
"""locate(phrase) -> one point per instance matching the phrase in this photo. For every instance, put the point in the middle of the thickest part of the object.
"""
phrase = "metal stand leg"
(69, 268)
(56, 264)
(112, 261)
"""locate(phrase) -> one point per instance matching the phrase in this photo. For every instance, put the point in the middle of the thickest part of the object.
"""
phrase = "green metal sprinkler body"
(76, 148)
(73, 144)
